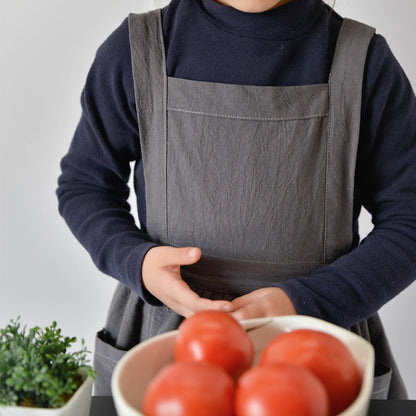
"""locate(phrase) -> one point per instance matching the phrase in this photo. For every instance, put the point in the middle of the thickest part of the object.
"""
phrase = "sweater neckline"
(286, 22)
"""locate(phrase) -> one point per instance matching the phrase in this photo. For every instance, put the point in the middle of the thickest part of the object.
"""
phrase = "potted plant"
(40, 376)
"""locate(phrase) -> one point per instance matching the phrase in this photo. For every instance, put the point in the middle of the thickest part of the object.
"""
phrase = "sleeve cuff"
(134, 274)
(301, 298)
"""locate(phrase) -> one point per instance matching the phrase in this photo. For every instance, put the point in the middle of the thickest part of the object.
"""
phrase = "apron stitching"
(265, 261)
(382, 390)
(328, 144)
(182, 110)
(164, 120)
(261, 261)
(106, 357)
(174, 244)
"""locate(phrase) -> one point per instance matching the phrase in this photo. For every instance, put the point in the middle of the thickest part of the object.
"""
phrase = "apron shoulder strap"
(147, 54)
(150, 88)
(347, 71)
(350, 53)
(345, 95)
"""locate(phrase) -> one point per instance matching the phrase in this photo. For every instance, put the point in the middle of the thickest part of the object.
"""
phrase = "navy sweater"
(290, 45)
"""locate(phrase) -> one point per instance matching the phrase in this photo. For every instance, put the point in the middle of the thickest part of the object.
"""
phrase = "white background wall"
(46, 48)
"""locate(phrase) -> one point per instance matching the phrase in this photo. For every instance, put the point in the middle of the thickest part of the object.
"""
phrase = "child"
(258, 129)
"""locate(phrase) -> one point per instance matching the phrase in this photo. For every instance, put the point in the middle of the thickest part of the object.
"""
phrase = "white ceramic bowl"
(134, 371)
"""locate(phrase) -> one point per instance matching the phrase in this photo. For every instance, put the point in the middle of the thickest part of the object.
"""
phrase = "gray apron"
(260, 178)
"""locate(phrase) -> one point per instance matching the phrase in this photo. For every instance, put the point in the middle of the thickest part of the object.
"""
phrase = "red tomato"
(189, 389)
(217, 338)
(326, 356)
(280, 390)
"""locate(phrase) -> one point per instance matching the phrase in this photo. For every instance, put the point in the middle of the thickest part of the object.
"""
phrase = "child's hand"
(161, 277)
(268, 301)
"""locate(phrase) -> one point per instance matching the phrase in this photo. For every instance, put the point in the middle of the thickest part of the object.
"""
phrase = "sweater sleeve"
(93, 185)
(357, 284)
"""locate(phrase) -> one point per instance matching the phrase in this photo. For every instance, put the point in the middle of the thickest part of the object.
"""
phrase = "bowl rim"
(120, 364)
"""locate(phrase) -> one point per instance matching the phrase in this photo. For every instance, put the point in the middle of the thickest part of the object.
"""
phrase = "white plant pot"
(78, 405)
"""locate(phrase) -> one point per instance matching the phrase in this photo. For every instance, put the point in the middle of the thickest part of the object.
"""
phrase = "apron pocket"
(382, 379)
(106, 356)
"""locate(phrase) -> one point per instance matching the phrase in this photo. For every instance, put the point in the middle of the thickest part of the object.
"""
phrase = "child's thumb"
(184, 255)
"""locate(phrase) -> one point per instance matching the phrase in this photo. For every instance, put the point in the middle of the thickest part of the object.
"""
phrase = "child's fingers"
(241, 301)
(161, 277)
(249, 311)
(219, 305)
(186, 302)
(268, 301)
(248, 306)
(246, 299)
